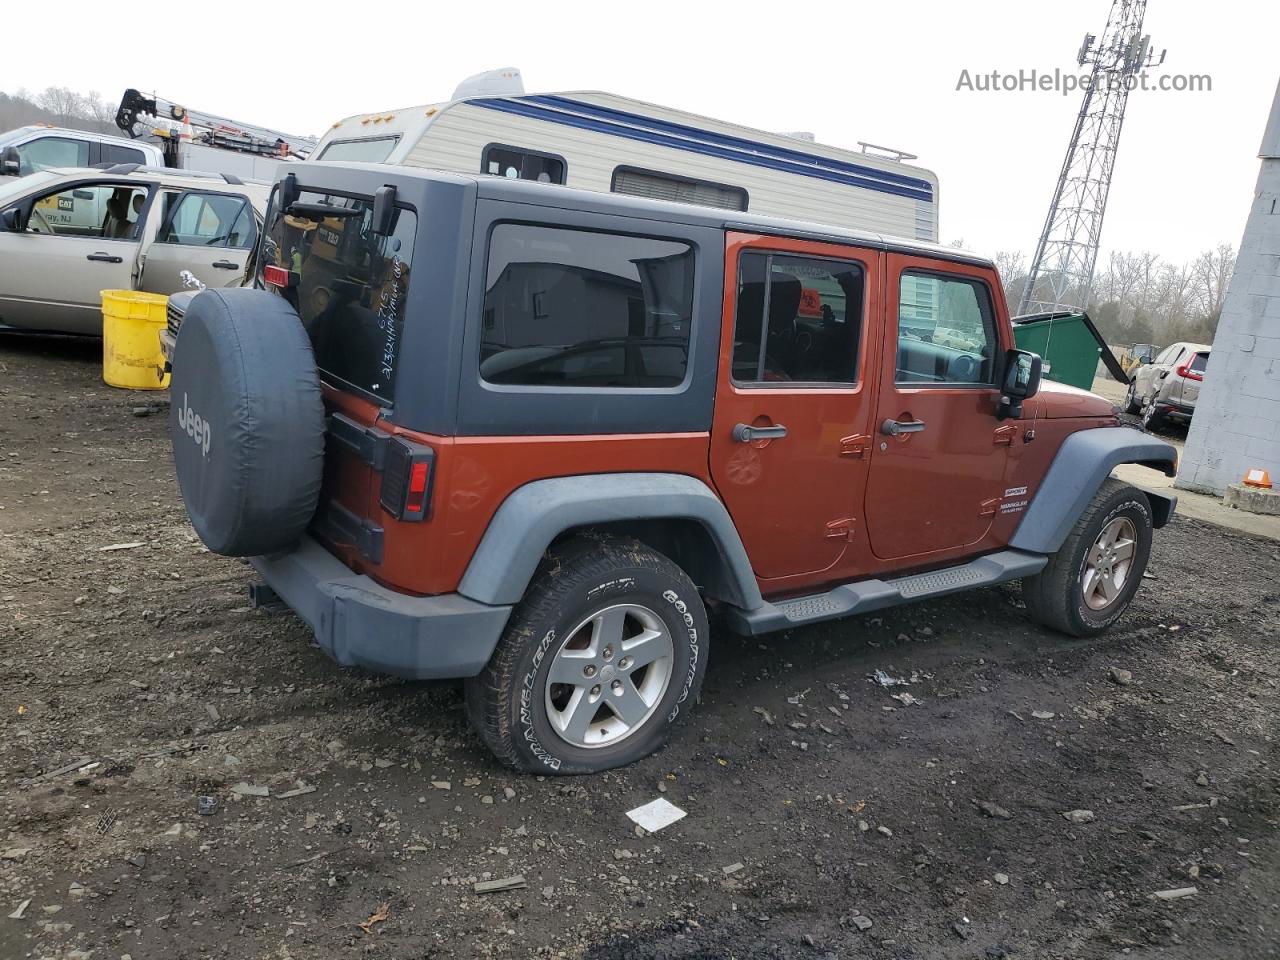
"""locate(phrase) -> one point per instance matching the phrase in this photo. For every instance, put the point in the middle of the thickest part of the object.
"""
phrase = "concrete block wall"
(1237, 421)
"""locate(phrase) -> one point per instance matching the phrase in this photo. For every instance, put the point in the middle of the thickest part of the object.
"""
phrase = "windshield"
(347, 283)
(373, 150)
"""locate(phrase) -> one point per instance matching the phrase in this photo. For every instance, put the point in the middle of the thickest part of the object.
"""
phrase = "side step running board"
(863, 596)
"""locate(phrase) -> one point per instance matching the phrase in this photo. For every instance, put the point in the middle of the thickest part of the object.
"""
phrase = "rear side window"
(577, 308)
(946, 330)
(1199, 362)
(111, 153)
(348, 284)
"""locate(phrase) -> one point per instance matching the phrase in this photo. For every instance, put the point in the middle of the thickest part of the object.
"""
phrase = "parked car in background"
(1167, 387)
(37, 147)
(66, 234)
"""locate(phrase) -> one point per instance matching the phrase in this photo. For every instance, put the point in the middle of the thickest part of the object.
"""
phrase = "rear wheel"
(601, 657)
(1090, 581)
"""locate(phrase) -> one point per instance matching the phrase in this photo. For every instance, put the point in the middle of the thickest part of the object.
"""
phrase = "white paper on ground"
(656, 814)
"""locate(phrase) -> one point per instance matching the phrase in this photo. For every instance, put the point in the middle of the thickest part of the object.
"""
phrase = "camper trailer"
(612, 144)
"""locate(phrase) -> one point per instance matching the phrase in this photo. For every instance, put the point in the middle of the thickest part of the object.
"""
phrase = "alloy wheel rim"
(1109, 563)
(609, 675)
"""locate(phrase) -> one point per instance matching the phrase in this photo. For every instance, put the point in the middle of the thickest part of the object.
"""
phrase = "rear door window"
(348, 284)
(210, 220)
(576, 308)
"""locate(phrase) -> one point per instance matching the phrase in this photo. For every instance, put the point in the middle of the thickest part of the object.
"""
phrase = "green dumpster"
(1069, 344)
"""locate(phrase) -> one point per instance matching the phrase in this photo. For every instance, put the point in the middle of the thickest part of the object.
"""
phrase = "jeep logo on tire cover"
(196, 426)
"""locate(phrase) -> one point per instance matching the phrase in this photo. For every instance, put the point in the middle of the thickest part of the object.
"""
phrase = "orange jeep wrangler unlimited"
(528, 436)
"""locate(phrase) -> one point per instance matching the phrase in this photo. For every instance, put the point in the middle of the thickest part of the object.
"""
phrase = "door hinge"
(855, 447)
(841, 529)
(1004, 435)
(988, 508)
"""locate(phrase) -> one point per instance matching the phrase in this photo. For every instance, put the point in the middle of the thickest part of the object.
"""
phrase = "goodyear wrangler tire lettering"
(614, 621)
(247, 422)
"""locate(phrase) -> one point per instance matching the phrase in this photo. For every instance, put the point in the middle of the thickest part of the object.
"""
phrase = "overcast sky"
(848, 71)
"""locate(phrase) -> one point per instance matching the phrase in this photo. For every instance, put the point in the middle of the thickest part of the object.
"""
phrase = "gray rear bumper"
(361, 623)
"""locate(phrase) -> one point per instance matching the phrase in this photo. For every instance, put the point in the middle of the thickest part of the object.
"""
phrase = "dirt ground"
(825, 818)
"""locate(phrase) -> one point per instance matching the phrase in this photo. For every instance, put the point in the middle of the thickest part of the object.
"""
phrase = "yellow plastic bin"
(131, 325)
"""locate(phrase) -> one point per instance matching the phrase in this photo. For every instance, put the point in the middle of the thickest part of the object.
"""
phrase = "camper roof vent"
(503, 82)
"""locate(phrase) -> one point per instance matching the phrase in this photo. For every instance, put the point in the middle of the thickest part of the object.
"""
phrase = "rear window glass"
(1199, 362)
(348, 285)
(576, 308)
(372, 150)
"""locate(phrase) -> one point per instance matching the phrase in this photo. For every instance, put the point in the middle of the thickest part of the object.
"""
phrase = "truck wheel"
(1090, 581)
(604, 653)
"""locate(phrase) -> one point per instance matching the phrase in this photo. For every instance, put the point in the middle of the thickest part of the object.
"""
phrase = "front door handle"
(104, 258)
(895, 427)
(745, 433)
(226, 265)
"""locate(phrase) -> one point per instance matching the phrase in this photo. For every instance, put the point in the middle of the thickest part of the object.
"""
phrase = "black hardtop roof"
(553, 195)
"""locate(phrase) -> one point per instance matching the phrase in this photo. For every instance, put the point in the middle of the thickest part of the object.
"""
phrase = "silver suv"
(1167, 388)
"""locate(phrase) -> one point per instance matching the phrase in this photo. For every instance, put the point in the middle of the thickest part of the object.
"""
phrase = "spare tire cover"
(246, 421)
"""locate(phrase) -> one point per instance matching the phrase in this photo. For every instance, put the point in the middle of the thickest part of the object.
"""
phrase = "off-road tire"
(506, 702)
(1055, 597)
(1132, 405)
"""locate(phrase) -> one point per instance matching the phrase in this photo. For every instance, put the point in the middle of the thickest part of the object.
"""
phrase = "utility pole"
(1062, 268)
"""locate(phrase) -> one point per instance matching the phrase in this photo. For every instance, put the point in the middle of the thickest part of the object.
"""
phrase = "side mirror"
(10, 162)
(289, 191)
(384, 211)
(12, 221)
(1021, 382)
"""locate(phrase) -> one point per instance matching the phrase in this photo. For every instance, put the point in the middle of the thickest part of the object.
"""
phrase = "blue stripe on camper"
(739, 143)
(725, 153)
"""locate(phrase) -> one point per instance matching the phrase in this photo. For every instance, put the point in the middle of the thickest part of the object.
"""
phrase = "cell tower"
(1062, 268)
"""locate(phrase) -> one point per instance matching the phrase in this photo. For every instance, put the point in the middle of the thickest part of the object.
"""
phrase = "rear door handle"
(895, 427)
(745, 433)
(104, 258)
(226, 265)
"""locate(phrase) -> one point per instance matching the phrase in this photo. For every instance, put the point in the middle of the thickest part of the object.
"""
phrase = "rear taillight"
(1186, 371)
(406, 480)
(279, 276)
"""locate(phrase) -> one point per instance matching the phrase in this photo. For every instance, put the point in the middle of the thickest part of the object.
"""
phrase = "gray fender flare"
(1084, 460)
(534, 515)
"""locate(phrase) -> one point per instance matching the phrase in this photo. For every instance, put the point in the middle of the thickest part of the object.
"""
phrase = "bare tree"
(1211, 273)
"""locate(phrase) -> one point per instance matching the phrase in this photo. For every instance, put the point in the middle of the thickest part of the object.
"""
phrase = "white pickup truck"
(66, 234)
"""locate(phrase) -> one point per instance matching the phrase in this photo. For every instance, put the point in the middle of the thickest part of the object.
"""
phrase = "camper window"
(518, 163)
(368, 150)
(572, 308)
(665, 186)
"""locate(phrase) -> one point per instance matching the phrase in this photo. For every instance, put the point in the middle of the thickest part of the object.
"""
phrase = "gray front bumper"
(361, 623)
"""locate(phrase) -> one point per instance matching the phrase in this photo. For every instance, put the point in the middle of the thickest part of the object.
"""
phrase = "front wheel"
(1090, 581)
(604, 653)
(1131, 403)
